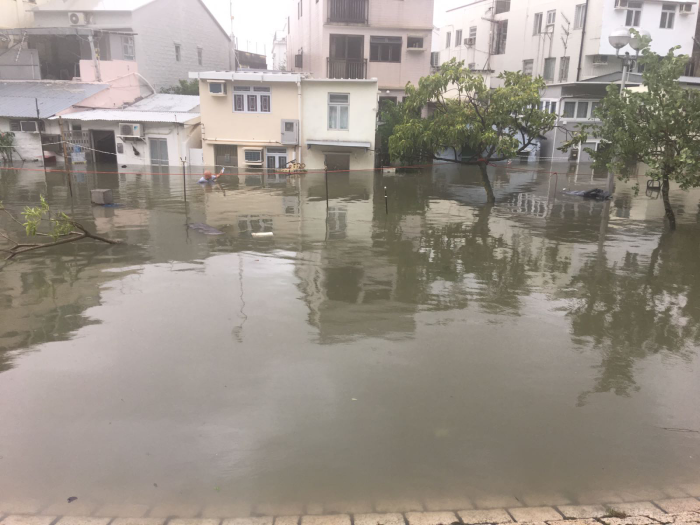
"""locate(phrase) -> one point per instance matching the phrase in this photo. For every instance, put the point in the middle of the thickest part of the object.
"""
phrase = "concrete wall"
(361, 126)
(17, 13)
(20, 64)
(110, 19)
(29, 144)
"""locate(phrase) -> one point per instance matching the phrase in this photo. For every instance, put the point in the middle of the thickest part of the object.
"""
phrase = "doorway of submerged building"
(105, 147)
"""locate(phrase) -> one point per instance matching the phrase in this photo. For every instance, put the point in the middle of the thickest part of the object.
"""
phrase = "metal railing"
(348, 11)
(346, 68)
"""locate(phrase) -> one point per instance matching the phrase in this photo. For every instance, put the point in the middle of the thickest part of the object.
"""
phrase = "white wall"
(29, 144)
(361, 126)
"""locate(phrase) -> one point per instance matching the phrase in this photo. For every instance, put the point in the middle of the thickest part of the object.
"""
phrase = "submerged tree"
(468, 122)
(61, 229)
(659, 125)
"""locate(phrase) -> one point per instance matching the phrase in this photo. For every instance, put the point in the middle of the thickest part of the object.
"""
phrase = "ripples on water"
(544, 343)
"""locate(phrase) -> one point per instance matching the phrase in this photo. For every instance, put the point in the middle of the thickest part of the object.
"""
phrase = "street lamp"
(620, 38)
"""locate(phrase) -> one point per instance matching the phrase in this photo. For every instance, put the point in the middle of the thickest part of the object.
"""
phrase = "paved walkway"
(677, 511)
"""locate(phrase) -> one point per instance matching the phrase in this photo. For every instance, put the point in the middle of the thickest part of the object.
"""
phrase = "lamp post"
(622, 37)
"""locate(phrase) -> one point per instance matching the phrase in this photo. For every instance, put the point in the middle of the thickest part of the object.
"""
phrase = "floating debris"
(204, 228)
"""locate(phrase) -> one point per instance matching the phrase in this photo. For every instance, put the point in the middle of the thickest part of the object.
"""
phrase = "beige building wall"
(17, 13)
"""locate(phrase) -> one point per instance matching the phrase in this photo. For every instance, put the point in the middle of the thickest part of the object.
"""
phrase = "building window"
(594, 106)
(128, 48)
(435, 58)
(178, 56)
(564, 69)
(500, 37)
(28, 126)
(247, 99)
(582, 110)
(385, 48)
(299, 9)
(338, 110)
(569, 109)
(634, 14)
(548, 106)
(448, 40)
(668, 16)
(217, 88)
(252, 155)
(458, 38)
(414, 42)
(537, 26)
(502, 6)
(200, 52)
(551, 19)
(580, 16)
(579, 109)
(549, 65)
(289, 28)
(527, 67)
(472, 33)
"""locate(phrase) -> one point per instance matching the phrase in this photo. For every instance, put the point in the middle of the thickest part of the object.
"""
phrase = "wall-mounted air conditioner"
(469, 42)
(290, 132)
(621, 4)
(129, 129)
(78, 19)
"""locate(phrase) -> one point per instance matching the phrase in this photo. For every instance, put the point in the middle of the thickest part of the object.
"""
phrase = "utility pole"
(41, 136)
(95, 58)
(65, 156)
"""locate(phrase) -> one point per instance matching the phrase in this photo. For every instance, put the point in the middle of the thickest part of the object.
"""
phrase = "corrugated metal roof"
(17, 97)
(163, 102)
(125, 115)
(92, 5)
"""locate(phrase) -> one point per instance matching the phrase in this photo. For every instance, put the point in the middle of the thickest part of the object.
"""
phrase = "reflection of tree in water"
(635, 310)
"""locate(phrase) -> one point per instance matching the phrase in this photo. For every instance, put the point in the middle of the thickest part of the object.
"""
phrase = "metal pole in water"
(41, 136)
(386, 201)
(65, 156)
(326, 170)
(184, 178)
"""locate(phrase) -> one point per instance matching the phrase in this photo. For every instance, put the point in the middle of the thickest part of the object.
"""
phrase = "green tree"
(7, 143)
(477, 123)
(186, 87)
(658, 126)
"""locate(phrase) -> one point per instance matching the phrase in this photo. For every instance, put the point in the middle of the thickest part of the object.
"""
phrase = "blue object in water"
(204, 228)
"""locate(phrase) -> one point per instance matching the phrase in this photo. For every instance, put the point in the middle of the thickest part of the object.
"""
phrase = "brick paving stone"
(16, 519)
(379, 519)
(681, 517)
(399, 505)
(79, 507)
(575, 522)
(632, 520)
(598, 497)
(177, 510)
(226, 510)
(26, 506)
(448, 503)
(524, 514)
(194, 521)
(476, 517)
(82, 520)
(348, 507)
(267, 520)
(280, 509)
(640, 508)
(674, 506)
(138, 521)
(496, 502)
(691, 490)
(287, 520)
(540, 500)
(122, 510)
(431, 518)
(582, 511)
(335, 519)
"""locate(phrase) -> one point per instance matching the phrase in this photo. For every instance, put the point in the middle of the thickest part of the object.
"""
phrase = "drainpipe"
(91, 39)
(583, 39)
(300, 118)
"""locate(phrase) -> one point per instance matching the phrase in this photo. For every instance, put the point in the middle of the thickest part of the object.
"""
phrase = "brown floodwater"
(547, 343)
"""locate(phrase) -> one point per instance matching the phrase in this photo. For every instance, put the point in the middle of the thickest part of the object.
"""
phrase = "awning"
(338, 144)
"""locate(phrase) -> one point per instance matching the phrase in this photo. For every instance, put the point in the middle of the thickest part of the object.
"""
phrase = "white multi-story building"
(565, 42)
(279, 51)
(358, 39)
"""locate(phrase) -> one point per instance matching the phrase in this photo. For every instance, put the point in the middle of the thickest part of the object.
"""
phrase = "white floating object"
(263, 234)
(388, 169)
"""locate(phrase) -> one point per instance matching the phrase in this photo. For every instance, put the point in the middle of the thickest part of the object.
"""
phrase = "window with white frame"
(178, 54)
(458, 38)
(564, 69)
(472, 33)
(537, 26)
(549, 65)
(217, 88)
(579, 16)
(200, 55)
(338, 111)
(634, 14)
(548, 106)
(551, 19)
(448, 39)
(128, 48)
(569, 109)
(527, 67)
(668, 16)
(579, 109)
(582, 110)
(251, 99)
(252, 155)
(500, 38)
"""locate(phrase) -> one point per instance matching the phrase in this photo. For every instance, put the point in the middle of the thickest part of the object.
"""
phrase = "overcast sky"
(255, 21)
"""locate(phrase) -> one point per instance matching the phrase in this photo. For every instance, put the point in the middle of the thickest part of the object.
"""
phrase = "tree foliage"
(658, 125)
(185, 87)
(7, 142)
(466, 116)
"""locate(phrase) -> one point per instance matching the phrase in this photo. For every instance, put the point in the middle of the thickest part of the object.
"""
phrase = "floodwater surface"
(448, 347)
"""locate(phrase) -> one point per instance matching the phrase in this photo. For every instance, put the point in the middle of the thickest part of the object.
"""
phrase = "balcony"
(348, 11)
(347, 68)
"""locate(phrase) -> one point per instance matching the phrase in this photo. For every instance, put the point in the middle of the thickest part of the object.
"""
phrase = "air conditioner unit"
(685, 8)
(469, 42)
(621, 4)
(129, 129)
(600, 60)
(290, 132)
(78, 19)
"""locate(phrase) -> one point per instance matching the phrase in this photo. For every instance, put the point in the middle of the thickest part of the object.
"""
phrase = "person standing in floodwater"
(208, 177)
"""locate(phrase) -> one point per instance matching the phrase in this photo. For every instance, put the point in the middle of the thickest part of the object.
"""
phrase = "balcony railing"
(347, 68)
(348, 11)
